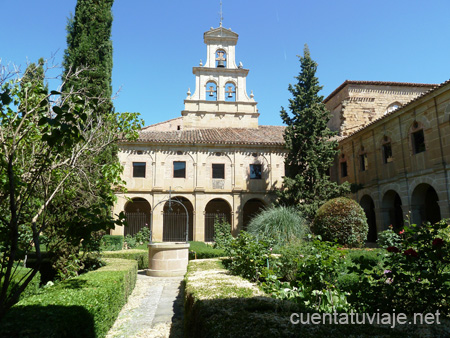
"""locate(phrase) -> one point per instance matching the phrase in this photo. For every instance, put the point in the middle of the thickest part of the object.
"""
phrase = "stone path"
(154, 309)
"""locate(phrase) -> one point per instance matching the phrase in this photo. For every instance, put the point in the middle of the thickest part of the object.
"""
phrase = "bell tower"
(220, 99)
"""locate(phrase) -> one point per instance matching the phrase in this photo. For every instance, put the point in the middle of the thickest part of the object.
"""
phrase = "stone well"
(167, 259)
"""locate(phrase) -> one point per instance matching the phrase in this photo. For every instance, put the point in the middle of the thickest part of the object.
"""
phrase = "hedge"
(200, 250)
(85, 306)
(218, 304)
(140, 256)
(111, 242)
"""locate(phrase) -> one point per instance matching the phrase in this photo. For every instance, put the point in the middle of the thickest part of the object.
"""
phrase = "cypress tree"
(89, 46)
(309, 141)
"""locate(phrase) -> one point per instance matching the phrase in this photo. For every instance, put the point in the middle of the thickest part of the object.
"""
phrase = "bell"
(211, 93)
(230, 95)
(221, 64)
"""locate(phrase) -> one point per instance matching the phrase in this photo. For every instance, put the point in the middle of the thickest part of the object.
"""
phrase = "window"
(418, 141)
(344, 169)
(138, 169)
(218, 171)
(255, 171)
(387, 153)
(363, 161)
(179, 169)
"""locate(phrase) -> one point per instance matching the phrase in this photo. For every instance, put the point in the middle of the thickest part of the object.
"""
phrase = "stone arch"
(137, 214)
(425, 204)
(211, 90)
(217, 208)
(251, 208)
(230, 91)
(391, 208)
(368, 205)
(393, 106)
(220, 58)
(174, 220)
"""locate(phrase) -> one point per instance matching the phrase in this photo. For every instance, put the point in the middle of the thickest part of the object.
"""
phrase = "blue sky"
(156, 44)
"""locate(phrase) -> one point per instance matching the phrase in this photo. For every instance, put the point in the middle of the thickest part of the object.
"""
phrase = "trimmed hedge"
(343, 220)
(200, 250)
(85, 306)
(140, 256)
(111, 242)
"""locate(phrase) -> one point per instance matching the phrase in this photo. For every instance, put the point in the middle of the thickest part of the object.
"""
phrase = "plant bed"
(85, 306)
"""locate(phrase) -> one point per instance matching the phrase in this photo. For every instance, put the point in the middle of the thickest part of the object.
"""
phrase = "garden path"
(154, 309)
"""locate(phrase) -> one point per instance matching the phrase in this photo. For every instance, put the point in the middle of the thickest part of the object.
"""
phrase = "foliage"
(308, 140)
(32, 288)
(111, 242)
(143, 236)
(49, 144)
(281, 224)
(87, 305)
(129, 242)
(140, 256)
(416, 278)
(89, 46)
(222, 233)
(388, 238)
(342, 220)
(249, 255)
(201, 250)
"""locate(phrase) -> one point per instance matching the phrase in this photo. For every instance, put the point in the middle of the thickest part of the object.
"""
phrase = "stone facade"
(215, 160)
(398, 159)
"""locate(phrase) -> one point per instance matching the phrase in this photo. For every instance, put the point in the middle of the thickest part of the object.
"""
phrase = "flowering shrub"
(416, 278)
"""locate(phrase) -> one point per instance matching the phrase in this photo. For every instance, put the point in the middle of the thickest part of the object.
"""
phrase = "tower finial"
(221, 13)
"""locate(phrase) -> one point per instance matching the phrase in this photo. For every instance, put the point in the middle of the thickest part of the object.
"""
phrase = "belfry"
(220, 99)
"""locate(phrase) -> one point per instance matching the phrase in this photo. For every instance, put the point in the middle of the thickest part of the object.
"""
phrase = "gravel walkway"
(154, 309)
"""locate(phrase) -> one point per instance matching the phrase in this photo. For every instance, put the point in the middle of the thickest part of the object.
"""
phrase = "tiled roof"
(263, 135)
(378, 83)
(159, 123)
(404, 107)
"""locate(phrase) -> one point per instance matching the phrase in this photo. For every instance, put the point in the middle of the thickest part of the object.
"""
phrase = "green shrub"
(85, 306)
(388, 238)
(112, 242)
(143, 236)
(280, 224)
(343, 220)
(201, 250)
(129, 242)
(222, 233)
(250, 256)
(140, 256)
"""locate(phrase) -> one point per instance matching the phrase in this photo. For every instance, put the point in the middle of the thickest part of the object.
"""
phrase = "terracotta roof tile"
(263, 135)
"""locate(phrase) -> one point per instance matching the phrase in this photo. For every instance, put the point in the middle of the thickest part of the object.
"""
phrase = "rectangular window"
(418, 141)
(218, 171)
(387, 153)
(344, 169)
(364, 163)
(138, 169)
(179, 169)
(255, 171)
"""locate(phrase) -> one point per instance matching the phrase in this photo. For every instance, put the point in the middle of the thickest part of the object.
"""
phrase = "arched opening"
(252, 208)
(211, 91)
(425, 207)
(174, 220)
(221, 58)
(392, 207)
(392, 107)
(369, 208)
(137, 214)
(215, 209)
(230, 92)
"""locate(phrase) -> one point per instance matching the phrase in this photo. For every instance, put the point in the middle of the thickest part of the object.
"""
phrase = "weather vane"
(221, 13)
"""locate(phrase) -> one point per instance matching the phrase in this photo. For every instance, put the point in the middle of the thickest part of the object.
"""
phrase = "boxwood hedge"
(85, 306)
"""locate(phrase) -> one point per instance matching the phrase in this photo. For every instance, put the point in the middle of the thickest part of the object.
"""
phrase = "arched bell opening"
(230, 92)
(221, 58)
(211, 91)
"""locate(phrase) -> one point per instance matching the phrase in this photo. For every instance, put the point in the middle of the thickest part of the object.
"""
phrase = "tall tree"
(309, 142)
(89, 46)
